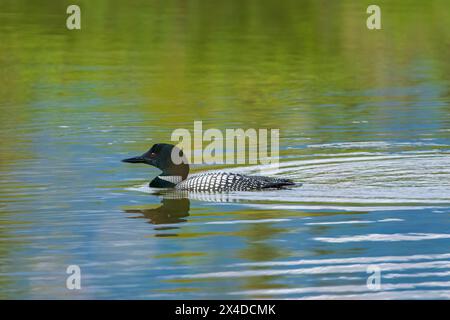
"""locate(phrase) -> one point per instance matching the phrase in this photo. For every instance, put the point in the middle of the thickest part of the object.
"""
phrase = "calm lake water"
(364, 119)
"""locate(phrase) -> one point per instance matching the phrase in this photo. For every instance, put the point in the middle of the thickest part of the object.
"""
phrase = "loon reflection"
(171, 211)
(175, 206)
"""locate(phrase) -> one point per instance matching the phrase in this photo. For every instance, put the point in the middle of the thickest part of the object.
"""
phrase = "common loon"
(176, 175)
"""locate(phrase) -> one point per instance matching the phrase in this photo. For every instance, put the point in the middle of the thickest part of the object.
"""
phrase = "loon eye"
(152, 155)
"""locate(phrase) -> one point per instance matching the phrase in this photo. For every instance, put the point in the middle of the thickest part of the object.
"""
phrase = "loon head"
(166, 157)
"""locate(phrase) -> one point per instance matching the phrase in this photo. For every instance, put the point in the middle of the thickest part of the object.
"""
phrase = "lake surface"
(364, 119)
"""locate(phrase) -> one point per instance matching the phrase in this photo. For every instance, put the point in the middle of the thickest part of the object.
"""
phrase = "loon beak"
(138, 159)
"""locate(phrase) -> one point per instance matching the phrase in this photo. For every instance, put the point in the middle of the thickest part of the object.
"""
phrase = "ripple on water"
(344, 269)
(368, 182)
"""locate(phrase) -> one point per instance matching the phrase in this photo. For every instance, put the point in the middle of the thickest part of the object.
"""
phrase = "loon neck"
(171, 175)
(181, 171)
(164, 181)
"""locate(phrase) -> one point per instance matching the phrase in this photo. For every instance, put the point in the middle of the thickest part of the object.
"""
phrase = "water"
(364, 124)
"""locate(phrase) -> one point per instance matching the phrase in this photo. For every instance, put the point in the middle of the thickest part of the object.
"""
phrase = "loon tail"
(278, 183)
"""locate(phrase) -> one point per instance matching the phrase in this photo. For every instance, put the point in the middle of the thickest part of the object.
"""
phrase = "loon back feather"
(227, 181)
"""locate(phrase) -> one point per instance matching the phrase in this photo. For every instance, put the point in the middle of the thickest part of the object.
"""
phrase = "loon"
(176, 175)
